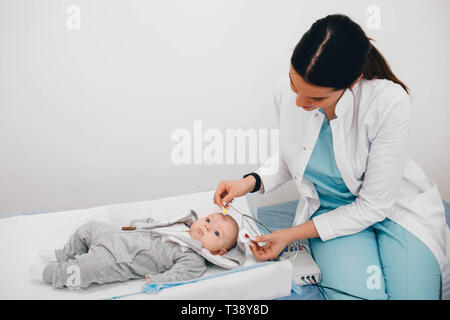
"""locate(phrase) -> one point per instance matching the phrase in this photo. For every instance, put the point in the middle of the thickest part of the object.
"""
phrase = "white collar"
(345, 103)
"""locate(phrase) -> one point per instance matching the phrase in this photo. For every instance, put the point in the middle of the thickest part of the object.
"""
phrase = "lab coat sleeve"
(386, 163)
(274, 172)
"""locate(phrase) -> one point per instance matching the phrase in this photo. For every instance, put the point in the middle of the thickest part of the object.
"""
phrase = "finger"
(226, 200)
(258, 252)
(259, 244)
(262, 238)
(260, 249)
(218, 194)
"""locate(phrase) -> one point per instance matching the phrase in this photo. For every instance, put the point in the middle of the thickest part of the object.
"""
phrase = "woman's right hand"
(227, 190)
(274, 244)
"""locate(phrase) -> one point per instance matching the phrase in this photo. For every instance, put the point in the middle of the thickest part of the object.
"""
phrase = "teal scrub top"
(324, 174)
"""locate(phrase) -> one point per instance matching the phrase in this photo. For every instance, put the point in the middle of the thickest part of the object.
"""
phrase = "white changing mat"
(22, 237)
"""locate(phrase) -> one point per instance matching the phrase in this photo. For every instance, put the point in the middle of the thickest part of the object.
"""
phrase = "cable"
(246, 216)
(243, 215)
(339, 291)
(318, 288)
(250, 217)
(303, 278)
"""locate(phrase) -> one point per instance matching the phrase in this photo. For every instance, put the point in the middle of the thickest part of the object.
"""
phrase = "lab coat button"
(304, 148)
(316, 115)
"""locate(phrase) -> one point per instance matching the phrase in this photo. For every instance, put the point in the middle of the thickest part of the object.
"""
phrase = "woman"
(375, 222)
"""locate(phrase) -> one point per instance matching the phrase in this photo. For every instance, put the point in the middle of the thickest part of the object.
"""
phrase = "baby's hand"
(147, 278)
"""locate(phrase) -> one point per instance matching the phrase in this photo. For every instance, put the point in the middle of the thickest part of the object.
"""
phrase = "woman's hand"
(229, 189)
(275, 244)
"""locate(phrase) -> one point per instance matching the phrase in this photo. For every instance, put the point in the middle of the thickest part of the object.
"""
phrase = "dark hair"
(335, 51)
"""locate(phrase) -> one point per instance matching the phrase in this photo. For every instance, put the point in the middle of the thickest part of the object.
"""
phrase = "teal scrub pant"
(384, 261)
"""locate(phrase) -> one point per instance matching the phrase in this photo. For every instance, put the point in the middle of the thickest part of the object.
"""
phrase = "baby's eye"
(207, 220)
(216, 233)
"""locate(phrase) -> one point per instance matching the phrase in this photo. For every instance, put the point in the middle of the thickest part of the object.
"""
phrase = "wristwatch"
(258, 181)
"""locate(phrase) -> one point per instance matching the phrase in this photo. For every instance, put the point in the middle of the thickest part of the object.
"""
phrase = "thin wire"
(250, 217)
(325, 287)
(309, 284)
(318, 288)
(338, 291)
(288, 249)
(244, 216)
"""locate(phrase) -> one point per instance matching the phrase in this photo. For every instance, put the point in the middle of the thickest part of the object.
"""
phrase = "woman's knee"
(411, 270)
(351, 265)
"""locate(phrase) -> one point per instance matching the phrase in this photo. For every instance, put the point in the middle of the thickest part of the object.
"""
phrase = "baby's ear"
(220, 251)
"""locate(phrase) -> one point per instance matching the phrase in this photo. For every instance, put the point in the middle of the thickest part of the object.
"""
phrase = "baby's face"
(217, 232)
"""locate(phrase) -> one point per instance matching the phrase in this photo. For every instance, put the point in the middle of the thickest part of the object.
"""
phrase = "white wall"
(86, 116)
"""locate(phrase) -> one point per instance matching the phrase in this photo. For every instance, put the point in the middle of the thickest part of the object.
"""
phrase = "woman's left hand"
(275, 244)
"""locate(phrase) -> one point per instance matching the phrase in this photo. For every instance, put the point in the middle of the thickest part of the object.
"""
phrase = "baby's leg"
(97, 266)
(81, 240)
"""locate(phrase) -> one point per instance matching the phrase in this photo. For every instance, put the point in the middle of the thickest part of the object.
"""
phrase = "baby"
(164, 251)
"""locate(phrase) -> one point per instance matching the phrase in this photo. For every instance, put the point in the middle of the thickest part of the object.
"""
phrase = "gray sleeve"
(188, 265)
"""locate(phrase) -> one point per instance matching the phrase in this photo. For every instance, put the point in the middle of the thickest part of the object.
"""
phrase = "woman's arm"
(302, 231)
(252, 182)
(229, 189)
(383, 176)
(278, 240)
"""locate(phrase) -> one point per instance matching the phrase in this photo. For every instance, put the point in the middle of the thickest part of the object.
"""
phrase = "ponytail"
(335, 51)
(378, 68)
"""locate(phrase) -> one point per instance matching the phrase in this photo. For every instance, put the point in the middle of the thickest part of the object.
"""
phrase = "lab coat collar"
(345, 103)
(341, 128)
(344, 110)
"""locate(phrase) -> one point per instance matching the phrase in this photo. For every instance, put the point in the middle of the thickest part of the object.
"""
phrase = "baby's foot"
(48, 256)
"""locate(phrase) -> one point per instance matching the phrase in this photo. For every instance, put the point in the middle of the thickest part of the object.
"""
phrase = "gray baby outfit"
(103, 253)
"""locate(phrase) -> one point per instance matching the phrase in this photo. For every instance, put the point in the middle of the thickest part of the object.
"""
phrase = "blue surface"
(280, 216)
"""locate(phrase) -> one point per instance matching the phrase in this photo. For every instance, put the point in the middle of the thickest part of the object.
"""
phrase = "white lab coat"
(370, 141)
